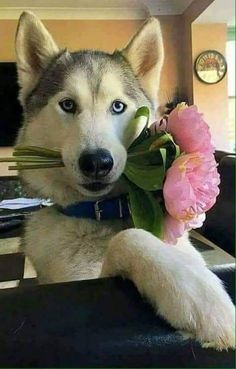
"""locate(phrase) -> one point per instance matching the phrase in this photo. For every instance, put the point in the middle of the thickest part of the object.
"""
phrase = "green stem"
(39, 150)
(36, 166)
(30, 159)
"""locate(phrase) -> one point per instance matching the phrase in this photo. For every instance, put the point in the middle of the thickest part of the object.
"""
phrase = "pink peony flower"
(191, 186)
(158, 126)
(173, 228)
(189, 130)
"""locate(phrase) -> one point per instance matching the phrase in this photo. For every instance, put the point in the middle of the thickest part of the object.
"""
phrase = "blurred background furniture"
(219, 226)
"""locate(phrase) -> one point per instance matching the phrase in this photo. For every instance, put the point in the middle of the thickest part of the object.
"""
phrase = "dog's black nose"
(96, 164)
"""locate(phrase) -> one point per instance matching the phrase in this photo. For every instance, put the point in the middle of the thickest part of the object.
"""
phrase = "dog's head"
(81, 103)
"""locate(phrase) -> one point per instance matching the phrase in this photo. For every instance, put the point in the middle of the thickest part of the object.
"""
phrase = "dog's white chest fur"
(65, 248)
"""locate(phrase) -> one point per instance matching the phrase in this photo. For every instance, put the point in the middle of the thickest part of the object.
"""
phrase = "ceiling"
(92, 9)
(220, 11)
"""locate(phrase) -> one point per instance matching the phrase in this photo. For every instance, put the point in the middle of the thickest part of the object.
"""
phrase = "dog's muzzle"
(96, 164)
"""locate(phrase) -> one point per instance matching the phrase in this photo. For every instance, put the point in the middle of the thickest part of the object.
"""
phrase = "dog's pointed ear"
(35, 48)
(145, 54)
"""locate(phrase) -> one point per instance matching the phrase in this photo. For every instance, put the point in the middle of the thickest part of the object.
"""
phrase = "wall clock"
(210, 66)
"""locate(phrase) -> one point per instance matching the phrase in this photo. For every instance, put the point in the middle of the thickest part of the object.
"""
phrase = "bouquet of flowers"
(171, 173)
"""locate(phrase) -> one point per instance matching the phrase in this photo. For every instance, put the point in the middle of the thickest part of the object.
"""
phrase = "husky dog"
(81, 103)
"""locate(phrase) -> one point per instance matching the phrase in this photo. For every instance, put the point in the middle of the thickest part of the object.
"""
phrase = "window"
(230, 56)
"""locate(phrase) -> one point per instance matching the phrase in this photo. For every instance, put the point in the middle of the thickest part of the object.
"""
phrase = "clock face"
(210, 66)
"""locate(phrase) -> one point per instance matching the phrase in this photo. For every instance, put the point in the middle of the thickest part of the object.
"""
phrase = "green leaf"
(149, 178)
(155, 150)
(164, 156)
(155, 144)
(146, 210)
(146, 158)
(141, 113)
(144, 143)
(178, 153)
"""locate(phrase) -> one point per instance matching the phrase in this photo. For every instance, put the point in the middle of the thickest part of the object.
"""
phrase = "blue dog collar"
(115, 208)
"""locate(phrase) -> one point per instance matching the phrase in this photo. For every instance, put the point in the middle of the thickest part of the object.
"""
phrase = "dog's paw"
(198, 305)
(220, 336)
(220, 346)
(202, 309)
(218, 331)
(178, 285)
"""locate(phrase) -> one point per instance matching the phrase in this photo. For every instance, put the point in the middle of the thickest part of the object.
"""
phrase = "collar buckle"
(97, 210)
(120, 209)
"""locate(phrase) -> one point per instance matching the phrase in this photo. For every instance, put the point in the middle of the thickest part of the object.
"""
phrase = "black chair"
(97, 323)
(219, 226)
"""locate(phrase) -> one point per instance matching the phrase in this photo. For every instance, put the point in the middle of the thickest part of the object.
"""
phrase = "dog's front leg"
(177, 283)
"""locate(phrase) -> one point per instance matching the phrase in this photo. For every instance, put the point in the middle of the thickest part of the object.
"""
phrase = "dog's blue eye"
(68, 105)
(118, 107)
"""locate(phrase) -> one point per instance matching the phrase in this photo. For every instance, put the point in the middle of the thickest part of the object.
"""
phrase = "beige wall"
(75, 34)
(212, 99)
(107, 35)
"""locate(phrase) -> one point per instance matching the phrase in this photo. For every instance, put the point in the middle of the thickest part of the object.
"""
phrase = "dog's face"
(81, 103)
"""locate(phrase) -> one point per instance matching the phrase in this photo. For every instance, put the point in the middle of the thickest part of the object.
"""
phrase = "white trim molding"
(92, 9)
(76, 13)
